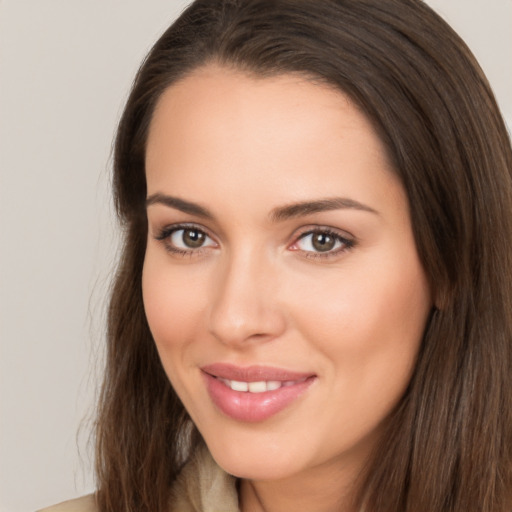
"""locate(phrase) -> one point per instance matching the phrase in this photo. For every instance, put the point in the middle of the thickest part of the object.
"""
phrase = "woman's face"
(281, 280)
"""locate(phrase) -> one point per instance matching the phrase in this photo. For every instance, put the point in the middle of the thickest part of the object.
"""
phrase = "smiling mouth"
(255, 393)
(260, 386)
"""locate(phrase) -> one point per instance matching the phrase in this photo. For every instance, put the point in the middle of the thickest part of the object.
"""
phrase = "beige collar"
(202, 486)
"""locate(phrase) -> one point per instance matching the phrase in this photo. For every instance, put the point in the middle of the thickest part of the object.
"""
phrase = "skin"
(258, 292)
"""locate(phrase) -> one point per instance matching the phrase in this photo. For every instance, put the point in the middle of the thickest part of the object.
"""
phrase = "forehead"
(214, 101)
(221, 127)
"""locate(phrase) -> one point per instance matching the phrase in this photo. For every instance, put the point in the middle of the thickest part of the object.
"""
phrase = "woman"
(312, 309)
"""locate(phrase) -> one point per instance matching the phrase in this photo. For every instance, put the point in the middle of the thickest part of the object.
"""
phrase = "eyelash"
(346, 243)
(166, 233)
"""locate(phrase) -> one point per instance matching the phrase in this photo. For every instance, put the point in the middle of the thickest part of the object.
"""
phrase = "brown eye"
(189, 238)
(193, 238)
(323, 242)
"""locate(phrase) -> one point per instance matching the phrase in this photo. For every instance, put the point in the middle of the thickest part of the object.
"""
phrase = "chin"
(254, 469)
(256, 460)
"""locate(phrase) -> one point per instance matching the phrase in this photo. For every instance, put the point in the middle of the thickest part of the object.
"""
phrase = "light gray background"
(65, 70)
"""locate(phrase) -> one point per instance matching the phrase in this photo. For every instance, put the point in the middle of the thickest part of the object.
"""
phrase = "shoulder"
(83, 504)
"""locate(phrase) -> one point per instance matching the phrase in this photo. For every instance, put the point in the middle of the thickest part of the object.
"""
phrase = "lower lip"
(253, 407)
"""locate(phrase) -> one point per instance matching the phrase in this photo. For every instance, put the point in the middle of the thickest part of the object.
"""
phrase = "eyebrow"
(179, 204)
(278, 214)
(322, 205)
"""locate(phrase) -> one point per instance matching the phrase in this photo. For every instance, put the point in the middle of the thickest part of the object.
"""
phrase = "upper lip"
(254, 373)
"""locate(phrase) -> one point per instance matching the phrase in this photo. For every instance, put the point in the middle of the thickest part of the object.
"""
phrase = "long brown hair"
(448, 446)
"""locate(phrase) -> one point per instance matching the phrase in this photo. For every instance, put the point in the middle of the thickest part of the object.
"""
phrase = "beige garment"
(202, 486)
(83, 504)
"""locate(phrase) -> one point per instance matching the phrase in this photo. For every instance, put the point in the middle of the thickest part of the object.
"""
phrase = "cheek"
(172, 305)
(357, 311)
(368, 321)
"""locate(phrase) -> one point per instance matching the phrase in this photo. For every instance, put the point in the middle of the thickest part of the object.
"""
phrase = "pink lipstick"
(253, 393)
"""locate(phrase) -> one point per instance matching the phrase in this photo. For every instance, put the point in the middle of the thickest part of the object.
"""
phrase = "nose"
(245, 307)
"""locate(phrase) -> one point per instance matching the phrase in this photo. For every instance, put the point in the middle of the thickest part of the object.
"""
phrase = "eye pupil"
(323, 242)
(193, 238)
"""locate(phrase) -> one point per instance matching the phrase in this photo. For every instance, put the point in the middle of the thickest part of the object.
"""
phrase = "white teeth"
(257, 387)
(273, 384)
(239, 386)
